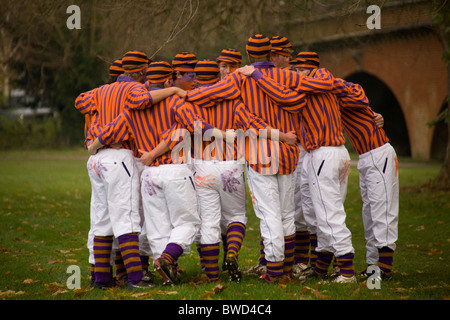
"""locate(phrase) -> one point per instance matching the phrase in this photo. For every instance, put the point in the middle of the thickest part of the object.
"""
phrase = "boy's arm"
(226, 89)
(113, 133)
(246, 120)
(148, 157)
(84, 102)
(287, 98)
(141, 98)
(351, 95)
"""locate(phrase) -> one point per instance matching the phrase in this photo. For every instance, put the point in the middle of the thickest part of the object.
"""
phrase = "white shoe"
(341, 279)
(299, 268)
(259, 269)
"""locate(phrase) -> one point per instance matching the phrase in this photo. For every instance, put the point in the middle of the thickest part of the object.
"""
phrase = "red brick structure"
(399, 65)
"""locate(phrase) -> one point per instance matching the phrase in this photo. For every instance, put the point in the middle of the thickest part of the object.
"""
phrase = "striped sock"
(312, 250)
(121, 271)
(92, 272)
(224, 245)
(172, 252)
(210, 254)
(129, 249)
(199, 250)
(102, 256)
(144, 262)
(262, 255)
(385, 260)
(323, 262)
(345, 264)
(235, 237)
(289, 248)
(275, 269)
(301, 247)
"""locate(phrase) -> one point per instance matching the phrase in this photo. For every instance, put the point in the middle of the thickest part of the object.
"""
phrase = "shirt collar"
(263, 64)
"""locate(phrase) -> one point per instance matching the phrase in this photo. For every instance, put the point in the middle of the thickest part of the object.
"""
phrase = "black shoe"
(104, 285)
(383, 276)
(167, 271)
(312, 275)
(234, 272)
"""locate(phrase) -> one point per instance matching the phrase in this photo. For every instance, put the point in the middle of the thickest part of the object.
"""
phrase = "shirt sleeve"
(185, 119)
(322, 81)
(281, 94)
(116, 131)
(245, 120)
(226, 89)
(84, 102)
(351, 95)
(186, 116)
(138, 98)
(287, 98)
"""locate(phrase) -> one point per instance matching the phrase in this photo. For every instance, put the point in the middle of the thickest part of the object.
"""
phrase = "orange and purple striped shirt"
(148, 126)
(320, 119)
(227, 114)
(358, 119)
(83, 103)
(108, 101)
(265, 100)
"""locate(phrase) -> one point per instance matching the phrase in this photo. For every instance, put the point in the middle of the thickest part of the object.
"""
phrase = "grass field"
(44, 214)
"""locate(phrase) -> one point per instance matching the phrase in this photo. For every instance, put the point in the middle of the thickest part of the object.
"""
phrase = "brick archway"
(383, 101)
(405, 55)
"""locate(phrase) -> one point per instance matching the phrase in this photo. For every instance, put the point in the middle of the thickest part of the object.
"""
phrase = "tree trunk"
(442, 180)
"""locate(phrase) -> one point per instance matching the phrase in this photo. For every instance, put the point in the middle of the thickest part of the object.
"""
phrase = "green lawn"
(44, 212)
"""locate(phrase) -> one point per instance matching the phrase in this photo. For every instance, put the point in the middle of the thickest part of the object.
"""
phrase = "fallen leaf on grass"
(80, 292)
(60, 291)
(10, 293)
(53, 261)
(305, 290)
(320, 295)
(356, 291)
(434, 252)
(219, 288)
(163, 292)
(139, 295)
(30, 281)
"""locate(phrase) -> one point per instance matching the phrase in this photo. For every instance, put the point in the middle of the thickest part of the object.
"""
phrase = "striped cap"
(281, 45)
(159, 72)
(135, 61)
(184, 62)
(230, 56)
(116, 68)
(207, 71)
(258, 46)
(307, 56)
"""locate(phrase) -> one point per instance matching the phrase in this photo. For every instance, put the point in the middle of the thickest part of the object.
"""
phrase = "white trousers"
(115, 193)
(221, 192)
(170, 207)
(273, 202)
(144, 246)
(328, 169)
(304, 210)
(378, 179)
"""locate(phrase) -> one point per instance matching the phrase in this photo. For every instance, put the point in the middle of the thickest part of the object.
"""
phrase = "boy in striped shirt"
(113, 172)
(327, 164)
(270, 163)
(229, 61)
(167, 185)
(377, 166)
(378, 179)
(220, 177)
